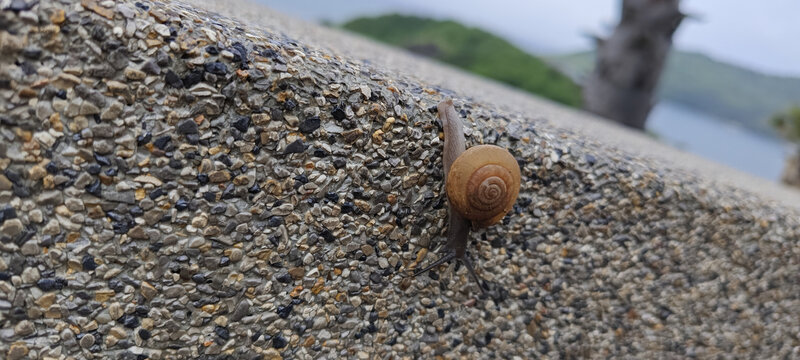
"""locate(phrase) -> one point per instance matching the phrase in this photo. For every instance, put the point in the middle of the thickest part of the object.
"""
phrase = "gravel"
(179, 184)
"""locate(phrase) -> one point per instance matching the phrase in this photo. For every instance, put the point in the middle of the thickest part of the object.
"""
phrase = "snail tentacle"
(448, 255)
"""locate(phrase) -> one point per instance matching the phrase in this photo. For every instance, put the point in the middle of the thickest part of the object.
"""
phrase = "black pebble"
(88, 263)
(193, 78)
(285, 311)
(338, 113)
(187, 126)
(93, 169)
(327, 235)
(7, 213)
(199, 278)
(296, 147)
(347, 207)
(21, 5)
(320, 153)
(222, 332)
(48, 284)
(309, 125)
(242, 124)
(228, 193)
(144, 138)
(162, 142)
(202, 178)
(94, 188)
(156, 193)
(590, 159)
(102, 160)
(130, 321)
(275, 221)
(216, 68)
(284, 278)
(144, 334)
(181, 204)
(279, 342)
(51, 168)
(173, 80)
(332, 196)
(136, 211)
(224, 261)
(339, 163)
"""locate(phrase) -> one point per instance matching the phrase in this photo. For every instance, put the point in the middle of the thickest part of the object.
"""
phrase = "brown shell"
(483, 184)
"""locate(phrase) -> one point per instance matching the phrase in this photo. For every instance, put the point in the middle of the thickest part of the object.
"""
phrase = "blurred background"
(726, 87)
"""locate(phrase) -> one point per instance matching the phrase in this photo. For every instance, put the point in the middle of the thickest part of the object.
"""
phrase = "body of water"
(718, 140)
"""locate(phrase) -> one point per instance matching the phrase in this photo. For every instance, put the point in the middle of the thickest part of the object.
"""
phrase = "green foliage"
(701, 83)
(788, 123)
(473, 50)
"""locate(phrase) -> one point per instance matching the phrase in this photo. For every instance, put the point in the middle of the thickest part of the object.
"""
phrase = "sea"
(719, 140)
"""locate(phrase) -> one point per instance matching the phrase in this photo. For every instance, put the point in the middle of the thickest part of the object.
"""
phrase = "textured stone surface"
(212, 189)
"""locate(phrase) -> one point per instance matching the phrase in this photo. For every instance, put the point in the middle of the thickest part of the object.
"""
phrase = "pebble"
(87, 341)
(11, 227)
(24, 328)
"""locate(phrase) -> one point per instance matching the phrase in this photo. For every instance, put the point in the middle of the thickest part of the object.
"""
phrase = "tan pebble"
(134, 74)
(297, 272)
(260, 119)
(58, 17)
(118, 332)
(241, 180)
(309, 341)
(115, 310)
(91, 325)
(148, 179)
(148, 291)
(272, 354)
(53, 312)
(5, 184)
(94, 6)
(221, 321)
(95, 211)
(200, 221)
(377, 137)
(219, 176)
(17, 351)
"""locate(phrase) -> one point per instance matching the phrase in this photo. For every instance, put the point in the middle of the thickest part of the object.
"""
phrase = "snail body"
(482, 184)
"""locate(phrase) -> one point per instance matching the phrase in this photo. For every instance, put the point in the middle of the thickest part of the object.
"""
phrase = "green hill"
(699, 82)
(471, 49)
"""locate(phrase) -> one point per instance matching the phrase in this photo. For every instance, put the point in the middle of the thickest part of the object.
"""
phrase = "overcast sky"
(763, 35)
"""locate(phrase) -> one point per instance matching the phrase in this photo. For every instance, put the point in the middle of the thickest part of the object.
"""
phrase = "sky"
(761, 35)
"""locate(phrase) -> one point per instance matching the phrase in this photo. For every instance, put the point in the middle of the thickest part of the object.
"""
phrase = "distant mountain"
(473, 50)
(699, 82)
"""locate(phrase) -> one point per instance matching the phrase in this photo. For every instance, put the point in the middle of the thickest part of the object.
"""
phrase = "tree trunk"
(629, 63)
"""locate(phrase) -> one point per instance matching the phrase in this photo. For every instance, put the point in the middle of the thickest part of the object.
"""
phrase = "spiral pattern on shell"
(483, 184)
(488, 188)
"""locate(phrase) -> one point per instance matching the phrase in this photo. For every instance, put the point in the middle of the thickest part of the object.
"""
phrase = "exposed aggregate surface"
(178, 184)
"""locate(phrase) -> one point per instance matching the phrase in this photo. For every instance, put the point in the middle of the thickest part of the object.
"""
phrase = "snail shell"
(483, 184)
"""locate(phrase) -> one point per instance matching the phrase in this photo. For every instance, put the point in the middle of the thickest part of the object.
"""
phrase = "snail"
(482, 184)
